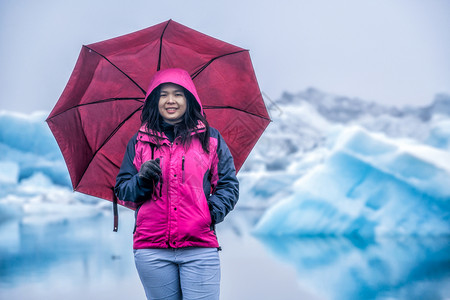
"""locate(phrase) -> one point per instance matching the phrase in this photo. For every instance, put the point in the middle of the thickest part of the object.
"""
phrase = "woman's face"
(172, 103)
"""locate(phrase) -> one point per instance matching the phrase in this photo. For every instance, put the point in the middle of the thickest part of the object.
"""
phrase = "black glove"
(150, 171)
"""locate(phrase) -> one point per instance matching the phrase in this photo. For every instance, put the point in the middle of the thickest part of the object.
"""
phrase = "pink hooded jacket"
(196, 189)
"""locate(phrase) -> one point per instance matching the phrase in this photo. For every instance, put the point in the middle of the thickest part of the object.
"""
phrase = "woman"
(181, 173)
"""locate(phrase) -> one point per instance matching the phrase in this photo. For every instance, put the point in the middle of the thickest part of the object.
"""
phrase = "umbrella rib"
(235, 108)
(104, 57)
(112, 163)
(196, 73)
(109, 137)
(97, 102)
(160, 45)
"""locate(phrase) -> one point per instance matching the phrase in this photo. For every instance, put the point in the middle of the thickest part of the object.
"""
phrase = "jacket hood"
(177, 76)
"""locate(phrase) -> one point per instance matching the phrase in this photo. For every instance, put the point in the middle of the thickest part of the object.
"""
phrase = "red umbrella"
(100, 108)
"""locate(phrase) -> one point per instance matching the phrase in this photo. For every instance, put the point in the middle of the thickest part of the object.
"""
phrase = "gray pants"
(182, 273)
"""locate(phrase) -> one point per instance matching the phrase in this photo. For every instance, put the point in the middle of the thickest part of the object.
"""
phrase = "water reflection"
(53, 259)
(77, 258)
(355, 268)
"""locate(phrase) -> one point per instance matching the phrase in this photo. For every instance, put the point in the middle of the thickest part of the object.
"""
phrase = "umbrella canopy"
(100, 108)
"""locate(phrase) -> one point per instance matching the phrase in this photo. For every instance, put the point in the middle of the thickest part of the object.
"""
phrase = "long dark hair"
(152, 120)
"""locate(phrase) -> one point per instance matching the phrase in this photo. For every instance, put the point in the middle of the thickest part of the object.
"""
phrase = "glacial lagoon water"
(81, 258)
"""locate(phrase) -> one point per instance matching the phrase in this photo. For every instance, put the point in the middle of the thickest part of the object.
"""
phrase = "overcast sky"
(388, 51)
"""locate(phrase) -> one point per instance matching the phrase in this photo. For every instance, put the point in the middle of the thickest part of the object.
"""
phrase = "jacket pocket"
(135, 218)
(205, 212)
(182, 169)
(162, 175)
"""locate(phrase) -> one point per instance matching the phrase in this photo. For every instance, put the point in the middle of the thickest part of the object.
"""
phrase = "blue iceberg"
(369, 185)
(27, 143)
(34, 182)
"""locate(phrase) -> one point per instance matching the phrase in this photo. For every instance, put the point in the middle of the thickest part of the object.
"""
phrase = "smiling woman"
(178, 200)
(172, 103)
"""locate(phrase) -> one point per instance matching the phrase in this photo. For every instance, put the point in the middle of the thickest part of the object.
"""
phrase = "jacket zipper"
(169, 200)
(182, 169)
